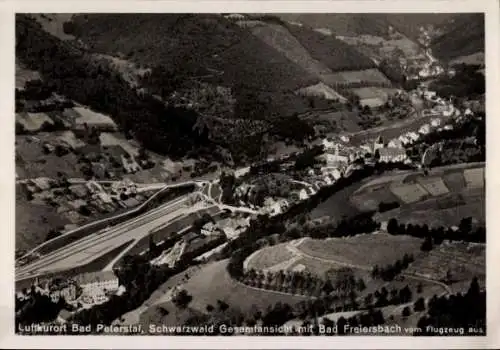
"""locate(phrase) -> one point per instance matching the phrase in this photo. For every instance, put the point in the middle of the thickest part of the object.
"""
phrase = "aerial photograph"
(257, 174)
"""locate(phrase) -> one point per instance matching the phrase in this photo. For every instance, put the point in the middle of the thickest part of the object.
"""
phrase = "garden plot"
(434, 185)
(409, 193)
(474, 178)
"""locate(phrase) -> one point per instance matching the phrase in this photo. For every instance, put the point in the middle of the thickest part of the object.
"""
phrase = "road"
(95, 245)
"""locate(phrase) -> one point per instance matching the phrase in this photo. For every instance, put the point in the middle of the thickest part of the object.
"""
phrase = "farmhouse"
(209, 229)
(392, 154)
(425, 129)
(436, 122)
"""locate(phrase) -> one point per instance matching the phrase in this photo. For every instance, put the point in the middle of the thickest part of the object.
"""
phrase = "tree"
(419, 305)
(426, 245)
(406, 312)
(465, 225)
(209, 308)
(182, 299)
(420, 288)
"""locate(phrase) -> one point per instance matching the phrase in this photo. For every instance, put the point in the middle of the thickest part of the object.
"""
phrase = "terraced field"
(371, 75)
(462, 260)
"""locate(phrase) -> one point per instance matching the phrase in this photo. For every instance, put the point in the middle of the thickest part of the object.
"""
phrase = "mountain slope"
(377, 24)
(464, 36)
(194, 44)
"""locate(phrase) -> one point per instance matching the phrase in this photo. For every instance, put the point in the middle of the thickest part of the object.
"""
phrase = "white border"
(7, 171)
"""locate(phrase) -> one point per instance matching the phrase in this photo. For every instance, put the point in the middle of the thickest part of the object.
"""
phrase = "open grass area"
(268, 257)
(363, 250)
(356, 76)
(32, 162)
(213, 283)
(370, 198)
(474, 178)
(33, 222)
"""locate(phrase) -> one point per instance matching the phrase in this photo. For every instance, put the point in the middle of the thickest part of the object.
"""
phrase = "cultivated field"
(363, 250)
(374, 92)
(33, 121)
(462, 260)
(408, 193)
(32, 162)
(370, 198)
(370, 75)
(434, 185)
(474, 178)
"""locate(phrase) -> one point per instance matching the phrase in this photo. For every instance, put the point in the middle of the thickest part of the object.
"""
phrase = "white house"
(328, 144)
(468, 112)
(425, 129)
(429, 95)
(436, 122)
(413, 136)
(449, 112)
(404, 140)
(392, 154)
(208, 229)
(303, 194)
(448, 127)
(345, 138)
(395, 143)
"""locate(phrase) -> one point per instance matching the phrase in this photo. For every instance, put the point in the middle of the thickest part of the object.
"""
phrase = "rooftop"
(92, 277)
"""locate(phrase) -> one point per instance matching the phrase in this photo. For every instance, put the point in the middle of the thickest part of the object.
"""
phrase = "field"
(434, 185)
(408, 193)
(213, 283)
(24, 75)
(374, 92)
(31, 162)
(370, 198)
(88, 116)
(474, 178)
(33, 121)
(33, 222)
(371, 75)
(115, 139)
(462, 260)
(435, 216)
(472, 59)
(268, 257)
(363, 250)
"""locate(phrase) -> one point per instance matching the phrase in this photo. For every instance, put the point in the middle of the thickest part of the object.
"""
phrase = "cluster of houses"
(69, 200)
(82, 291)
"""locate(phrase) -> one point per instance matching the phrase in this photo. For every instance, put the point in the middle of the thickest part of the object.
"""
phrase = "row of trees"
(437, 235)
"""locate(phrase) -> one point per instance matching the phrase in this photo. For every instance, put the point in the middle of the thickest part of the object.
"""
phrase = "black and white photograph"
(250, 174)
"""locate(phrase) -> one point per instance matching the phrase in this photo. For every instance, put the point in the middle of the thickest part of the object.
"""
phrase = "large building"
(392, 154)
(96, 284)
